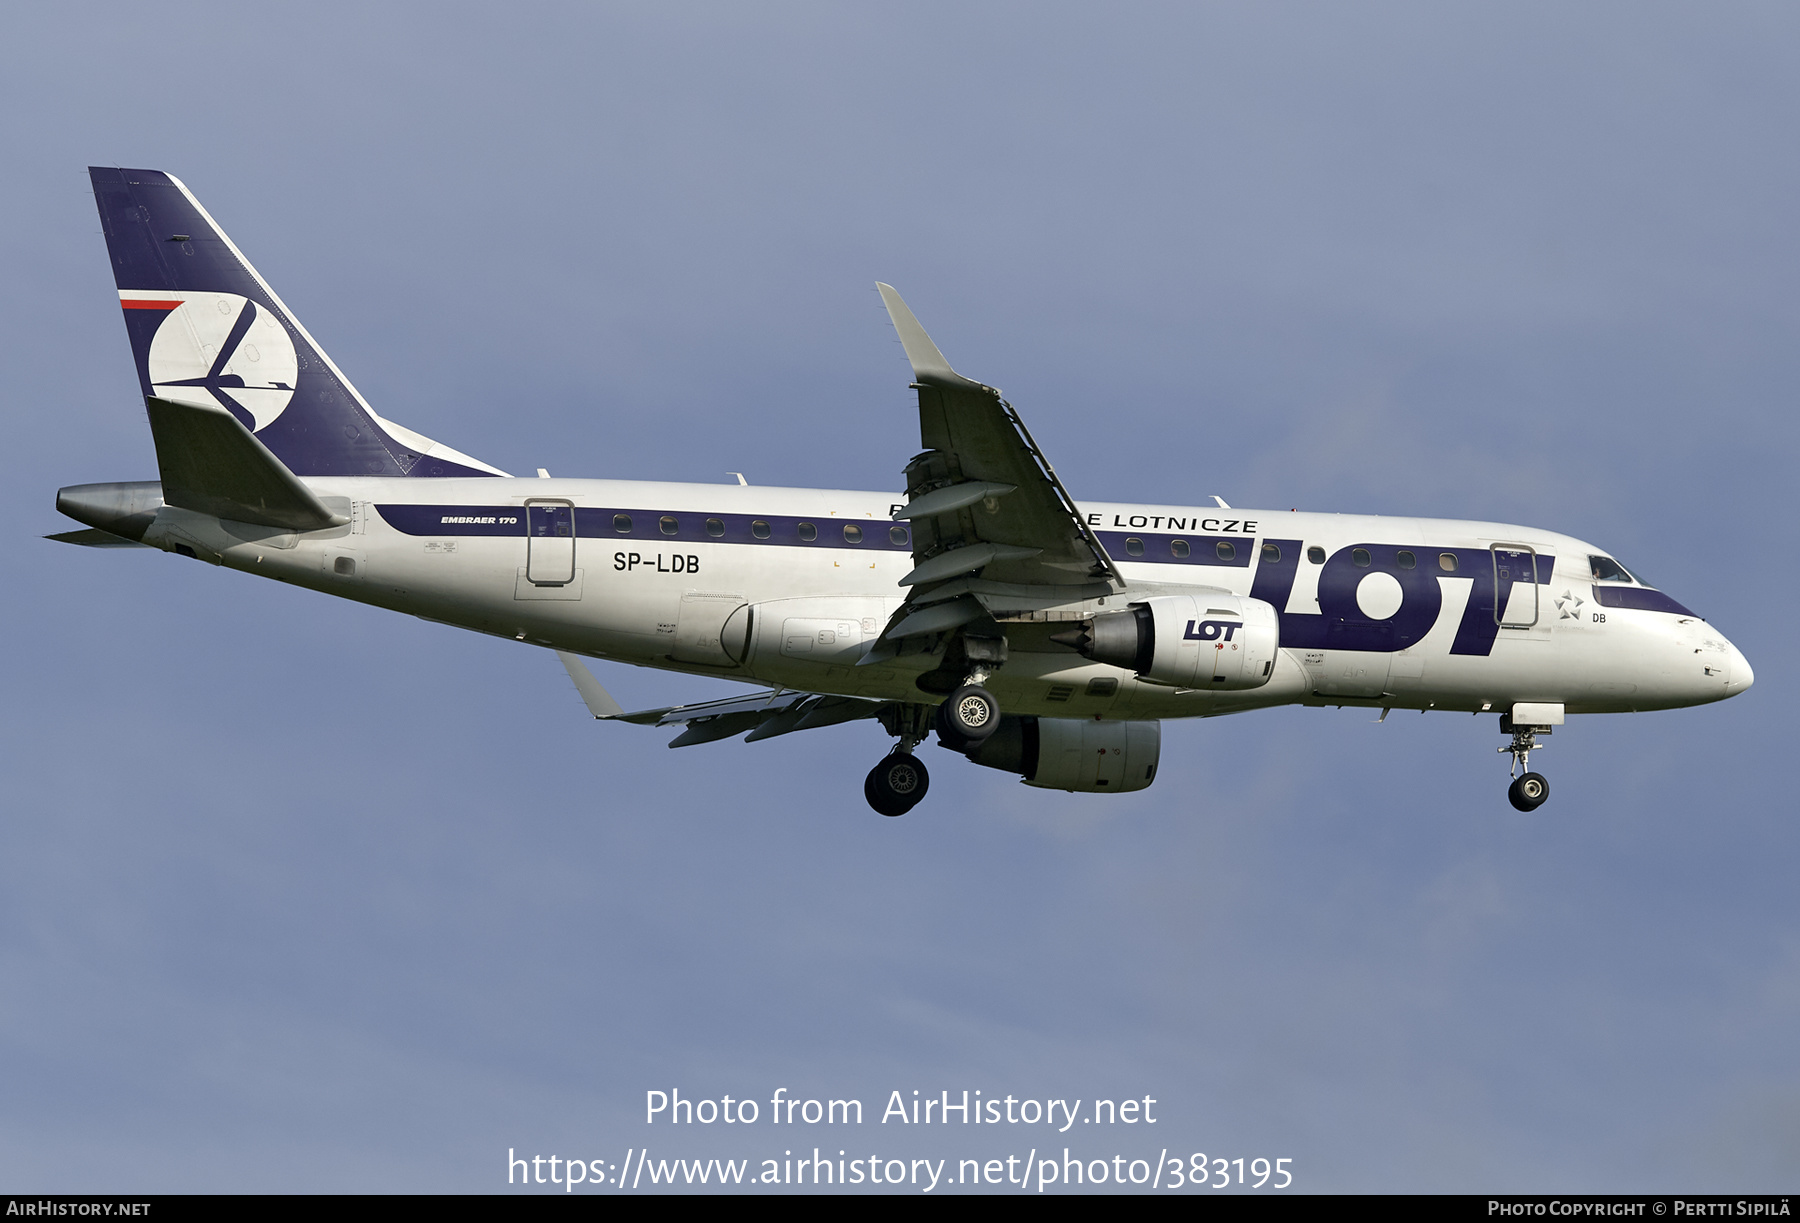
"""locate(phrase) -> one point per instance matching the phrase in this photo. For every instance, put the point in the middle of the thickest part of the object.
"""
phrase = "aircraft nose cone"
(1741, 674)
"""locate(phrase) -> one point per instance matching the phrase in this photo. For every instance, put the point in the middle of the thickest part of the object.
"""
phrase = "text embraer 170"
(1031, 632)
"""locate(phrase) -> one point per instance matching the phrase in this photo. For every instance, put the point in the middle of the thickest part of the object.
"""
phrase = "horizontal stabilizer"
(213, 465)
(93, 538)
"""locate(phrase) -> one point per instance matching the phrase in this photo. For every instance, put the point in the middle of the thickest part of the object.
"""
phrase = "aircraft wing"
(982, 497)
(763, 714)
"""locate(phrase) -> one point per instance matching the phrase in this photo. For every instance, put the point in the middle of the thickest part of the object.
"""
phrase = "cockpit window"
(1606, 569)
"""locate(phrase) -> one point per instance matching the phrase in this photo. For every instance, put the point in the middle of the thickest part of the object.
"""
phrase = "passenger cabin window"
(897, 536)
(1405, 559)
(1360, 558)
(852, 533)
(1447, 562)
(1226, 550)
(1271, 554)
(669, 525)
(1179, 548)
(622, 523)
(715, 527)
(1316, 555)
(1134, 546)
(808, 532)
(760, 529)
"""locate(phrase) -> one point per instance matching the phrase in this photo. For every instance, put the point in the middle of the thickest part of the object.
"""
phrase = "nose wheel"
(1529, 790)
(1528, 793)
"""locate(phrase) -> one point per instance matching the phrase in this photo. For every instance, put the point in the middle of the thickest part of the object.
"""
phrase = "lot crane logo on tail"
(223, 350)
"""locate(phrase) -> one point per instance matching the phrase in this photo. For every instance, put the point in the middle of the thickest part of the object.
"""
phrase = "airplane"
(1028, 631)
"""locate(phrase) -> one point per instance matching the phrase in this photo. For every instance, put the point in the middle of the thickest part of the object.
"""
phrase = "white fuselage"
(1402, 612)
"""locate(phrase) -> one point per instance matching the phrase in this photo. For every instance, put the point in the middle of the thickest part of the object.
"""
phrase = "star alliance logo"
(1569, 604)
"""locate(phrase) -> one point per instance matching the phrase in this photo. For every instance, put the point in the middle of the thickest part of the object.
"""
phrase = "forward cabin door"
(1515, 586)
(549, 542)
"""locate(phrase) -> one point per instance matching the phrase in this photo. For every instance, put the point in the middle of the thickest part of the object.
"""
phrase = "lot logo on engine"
(1211, 630)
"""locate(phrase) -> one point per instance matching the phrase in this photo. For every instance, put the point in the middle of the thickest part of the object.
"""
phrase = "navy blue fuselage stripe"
(323, 431)
(1639, 598)
(596, 526)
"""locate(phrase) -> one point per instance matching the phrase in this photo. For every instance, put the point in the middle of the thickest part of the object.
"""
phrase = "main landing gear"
(896, 785)
(966, 719)
(1529, 790)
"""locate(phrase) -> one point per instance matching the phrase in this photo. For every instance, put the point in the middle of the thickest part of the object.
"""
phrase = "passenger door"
(549, 542)
(1515, 585)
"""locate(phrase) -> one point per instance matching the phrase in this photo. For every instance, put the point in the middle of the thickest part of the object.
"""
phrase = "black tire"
(950, 739)
(897, 784)
(1529, 792)
(968, 716)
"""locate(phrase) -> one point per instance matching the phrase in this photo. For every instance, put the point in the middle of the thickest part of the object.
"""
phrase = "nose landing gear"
(1529, 790)
(1528, 793)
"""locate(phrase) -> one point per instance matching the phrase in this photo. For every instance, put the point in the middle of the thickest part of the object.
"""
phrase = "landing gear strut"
(898, 783)
(1529, 790)
(965, 720)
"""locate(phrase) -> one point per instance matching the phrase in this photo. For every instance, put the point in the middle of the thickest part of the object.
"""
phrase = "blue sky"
(301, 895)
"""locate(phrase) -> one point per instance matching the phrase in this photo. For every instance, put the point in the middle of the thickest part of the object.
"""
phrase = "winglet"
(598, 700)
(928, 363)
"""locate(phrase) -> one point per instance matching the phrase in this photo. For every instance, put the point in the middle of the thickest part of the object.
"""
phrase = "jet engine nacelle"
(1066, 754)
(1223, 643)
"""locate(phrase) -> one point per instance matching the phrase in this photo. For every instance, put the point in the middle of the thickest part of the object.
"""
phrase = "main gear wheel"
(897, 784)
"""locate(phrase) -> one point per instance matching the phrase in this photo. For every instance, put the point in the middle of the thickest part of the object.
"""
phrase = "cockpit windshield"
(1606, 569)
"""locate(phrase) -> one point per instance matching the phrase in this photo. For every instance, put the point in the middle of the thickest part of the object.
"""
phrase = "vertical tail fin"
(206, 329)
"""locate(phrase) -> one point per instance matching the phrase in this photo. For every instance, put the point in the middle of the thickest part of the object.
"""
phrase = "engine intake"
(1223, 643)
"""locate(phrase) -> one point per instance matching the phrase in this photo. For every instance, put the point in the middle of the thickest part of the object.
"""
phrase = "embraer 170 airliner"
(1031, 632)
